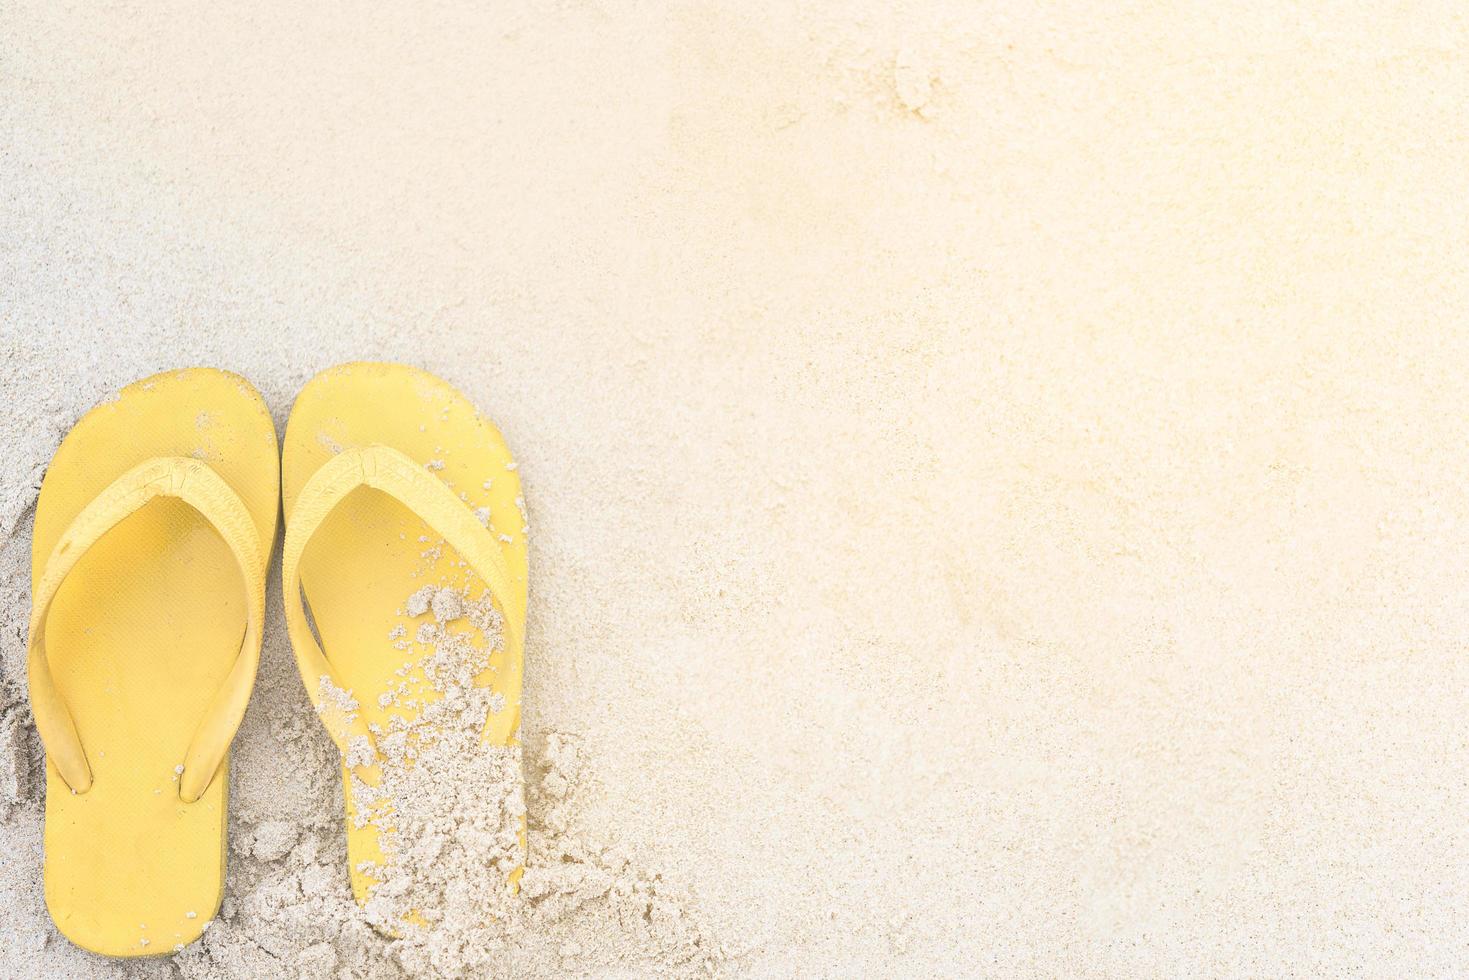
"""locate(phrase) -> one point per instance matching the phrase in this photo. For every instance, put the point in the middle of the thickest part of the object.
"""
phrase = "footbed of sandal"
(406, 538)
(153, 527)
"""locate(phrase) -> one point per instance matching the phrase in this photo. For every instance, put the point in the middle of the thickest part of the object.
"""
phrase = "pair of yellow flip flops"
(153, 530)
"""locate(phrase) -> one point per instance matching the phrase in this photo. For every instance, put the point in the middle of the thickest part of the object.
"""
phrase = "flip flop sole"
(371, 553)
(139, 638)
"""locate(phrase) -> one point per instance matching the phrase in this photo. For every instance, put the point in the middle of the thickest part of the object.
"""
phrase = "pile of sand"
(289, 911)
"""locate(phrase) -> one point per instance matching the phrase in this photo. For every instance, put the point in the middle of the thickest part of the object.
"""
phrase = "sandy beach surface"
(997, 478)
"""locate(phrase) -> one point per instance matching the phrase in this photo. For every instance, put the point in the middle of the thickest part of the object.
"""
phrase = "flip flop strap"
(198, 485)
(388, 470)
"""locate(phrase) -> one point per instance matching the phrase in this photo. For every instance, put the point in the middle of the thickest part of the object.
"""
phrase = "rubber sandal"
(398, 493)
(153, 528)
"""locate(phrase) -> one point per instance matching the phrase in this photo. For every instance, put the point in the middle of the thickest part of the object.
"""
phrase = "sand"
(997, 477)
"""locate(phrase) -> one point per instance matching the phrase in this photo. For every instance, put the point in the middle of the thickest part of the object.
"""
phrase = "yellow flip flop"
(406, 536)
(153, 528)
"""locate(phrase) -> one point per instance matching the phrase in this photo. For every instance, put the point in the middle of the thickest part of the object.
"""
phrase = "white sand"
(998, 479)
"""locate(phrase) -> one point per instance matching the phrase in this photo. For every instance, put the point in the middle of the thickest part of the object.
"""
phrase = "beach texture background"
(997, 476)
